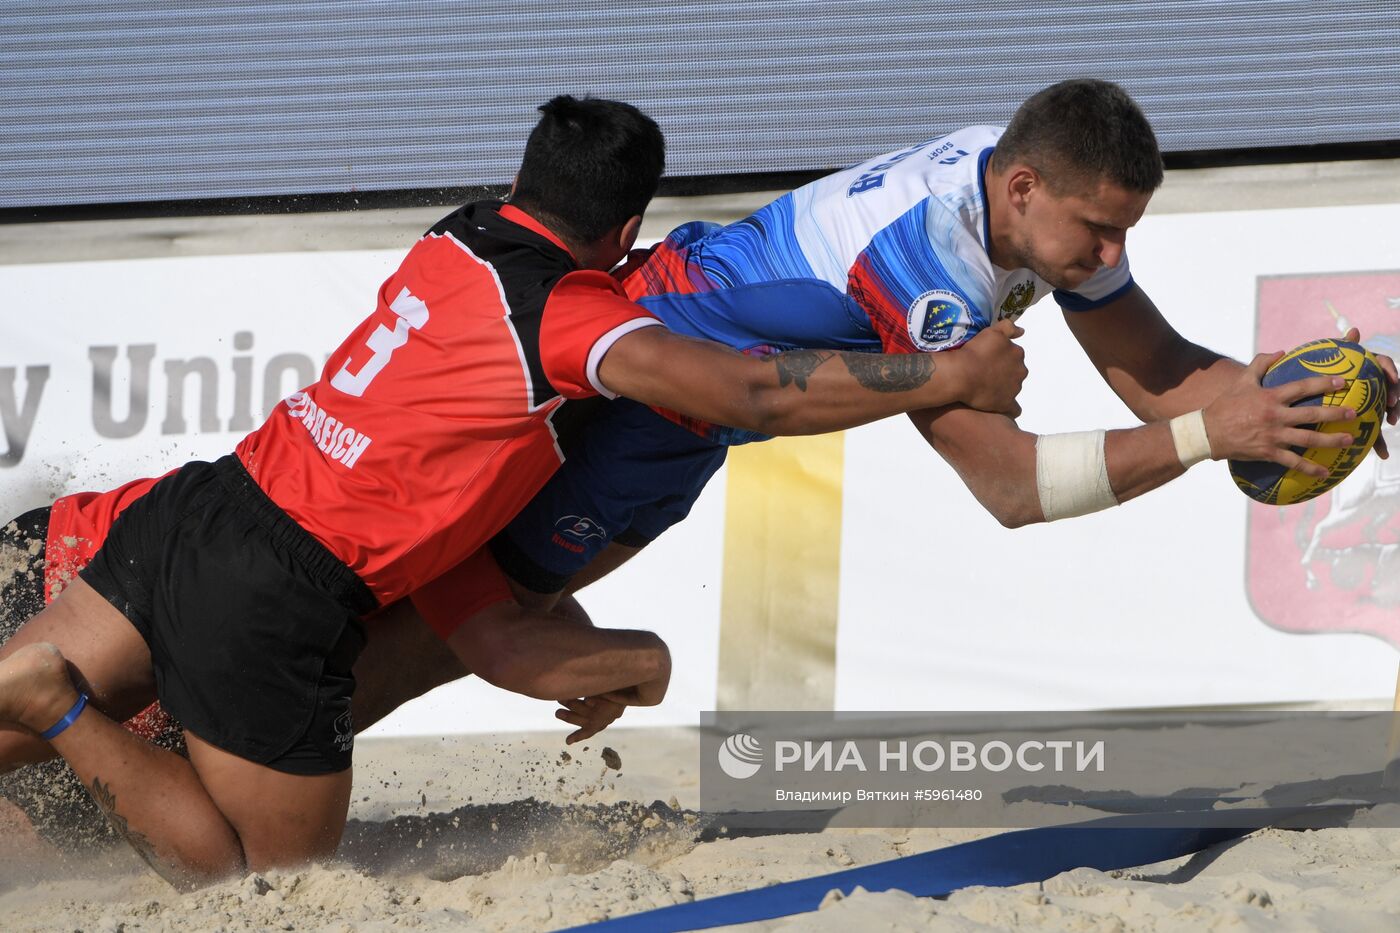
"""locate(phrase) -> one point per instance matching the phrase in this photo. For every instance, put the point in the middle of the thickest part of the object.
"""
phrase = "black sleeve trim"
(518, 565)
(632, 538)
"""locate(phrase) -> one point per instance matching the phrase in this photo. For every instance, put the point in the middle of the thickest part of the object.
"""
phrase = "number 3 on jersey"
(413, 314)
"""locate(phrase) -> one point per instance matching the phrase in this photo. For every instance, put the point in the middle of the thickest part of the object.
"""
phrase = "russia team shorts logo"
(1331, 564)
(579, 527)
(344, 732)
(939, 319)
(740, 756)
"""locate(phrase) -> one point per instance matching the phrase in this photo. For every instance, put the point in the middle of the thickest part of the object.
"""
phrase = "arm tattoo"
(894, 372)
(107, 802)
(795, 366)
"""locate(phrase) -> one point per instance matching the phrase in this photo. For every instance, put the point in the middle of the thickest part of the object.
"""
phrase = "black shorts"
(252, 623)
(49, 793)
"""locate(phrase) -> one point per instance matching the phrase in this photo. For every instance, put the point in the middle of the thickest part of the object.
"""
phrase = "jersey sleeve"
(1103, 286)
(916, 297)
(450, 600)
(586, 314)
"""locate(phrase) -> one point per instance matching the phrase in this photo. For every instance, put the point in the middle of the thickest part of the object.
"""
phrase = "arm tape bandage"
(1071, 475)
(1189, 436)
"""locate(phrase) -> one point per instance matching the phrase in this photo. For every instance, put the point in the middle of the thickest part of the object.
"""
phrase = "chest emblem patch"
(939, 319)
(1017, 301)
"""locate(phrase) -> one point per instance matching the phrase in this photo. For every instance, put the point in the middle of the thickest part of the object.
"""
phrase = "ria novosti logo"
(740, 756)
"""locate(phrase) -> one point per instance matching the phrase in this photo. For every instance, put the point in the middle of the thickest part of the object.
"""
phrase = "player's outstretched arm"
(810, 391)
(558, 656)
(1158, 373)
(593, 673)
(1024, 478)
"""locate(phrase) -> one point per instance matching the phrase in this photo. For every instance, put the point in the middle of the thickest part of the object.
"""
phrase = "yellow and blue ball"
(1364, 391)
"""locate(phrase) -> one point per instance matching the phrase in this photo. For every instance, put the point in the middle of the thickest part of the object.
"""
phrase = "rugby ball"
(1364, 391)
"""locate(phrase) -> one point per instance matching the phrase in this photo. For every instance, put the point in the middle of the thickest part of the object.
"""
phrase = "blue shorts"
(633, 473)
(626, 478)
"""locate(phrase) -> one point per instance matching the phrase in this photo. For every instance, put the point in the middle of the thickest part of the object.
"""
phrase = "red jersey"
(436, 421)
(78, 524)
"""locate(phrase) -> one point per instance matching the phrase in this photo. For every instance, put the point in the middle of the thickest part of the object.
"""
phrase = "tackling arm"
(560, 656)
(809, 391)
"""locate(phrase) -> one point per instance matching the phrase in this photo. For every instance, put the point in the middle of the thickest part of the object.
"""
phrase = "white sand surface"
(505, 833)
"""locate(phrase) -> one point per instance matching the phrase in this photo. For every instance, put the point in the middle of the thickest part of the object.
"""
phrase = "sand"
(495, 834)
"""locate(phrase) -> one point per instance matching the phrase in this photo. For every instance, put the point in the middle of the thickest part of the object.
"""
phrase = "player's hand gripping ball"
(1364, 391)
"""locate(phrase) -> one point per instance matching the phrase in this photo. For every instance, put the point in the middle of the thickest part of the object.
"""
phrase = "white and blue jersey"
(889, 255)
(900, 242)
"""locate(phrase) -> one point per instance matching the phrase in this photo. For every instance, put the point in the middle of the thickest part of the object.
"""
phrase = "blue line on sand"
(1007, 859)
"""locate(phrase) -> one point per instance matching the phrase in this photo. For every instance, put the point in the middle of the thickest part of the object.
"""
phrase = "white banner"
(111, 370)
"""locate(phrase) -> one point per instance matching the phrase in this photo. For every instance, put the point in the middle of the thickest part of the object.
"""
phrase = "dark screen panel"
(116, 102)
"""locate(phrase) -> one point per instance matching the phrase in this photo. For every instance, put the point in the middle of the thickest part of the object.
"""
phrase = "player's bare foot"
(35, 689)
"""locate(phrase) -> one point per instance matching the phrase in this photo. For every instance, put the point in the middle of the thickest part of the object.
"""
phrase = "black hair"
(589, 165)
(1080, 132)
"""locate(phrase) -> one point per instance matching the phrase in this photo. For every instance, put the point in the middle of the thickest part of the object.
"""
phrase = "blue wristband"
(68, 719)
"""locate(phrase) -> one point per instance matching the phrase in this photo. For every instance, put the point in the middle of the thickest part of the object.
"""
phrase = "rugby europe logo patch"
(939, 319)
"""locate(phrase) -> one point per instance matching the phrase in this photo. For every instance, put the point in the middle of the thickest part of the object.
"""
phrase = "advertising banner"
(1332, 564)
(906, 593)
